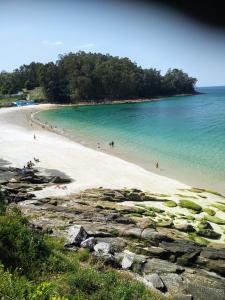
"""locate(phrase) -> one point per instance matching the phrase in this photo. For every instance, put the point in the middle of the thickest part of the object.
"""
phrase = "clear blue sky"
(39, 30)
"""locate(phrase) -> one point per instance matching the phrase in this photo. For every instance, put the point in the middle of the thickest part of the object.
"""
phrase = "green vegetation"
(38, 267)
(215, 220)
(170, 203)
(190, 205)
(94, 76)
(209, 211)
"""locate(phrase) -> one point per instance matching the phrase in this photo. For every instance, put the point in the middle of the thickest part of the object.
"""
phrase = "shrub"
(20, 247)
(12, 287)
(2, 203)
(190, 205)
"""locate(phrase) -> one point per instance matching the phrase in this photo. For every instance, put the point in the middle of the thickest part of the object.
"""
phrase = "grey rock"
(133, 261)
(174, 283)
(103, 248)
(209, 233)
(128, 259)
(188, 259)
(76, 235)
(161, 266)
(213, 253)
(119, 257)
(204, 285)
(58, 180)
(133, 232)
(148, 233)
(89, 243)
(185, 227)
(179, 247)
(182, 297)
(134, 196)
(117, 243)
(153, 251)
(203, 292)
(155, 281)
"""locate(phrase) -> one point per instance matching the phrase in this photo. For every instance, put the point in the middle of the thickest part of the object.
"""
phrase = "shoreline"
(106, 102)
(104, 169)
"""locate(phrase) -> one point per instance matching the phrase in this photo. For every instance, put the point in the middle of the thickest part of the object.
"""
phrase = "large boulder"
(76, 235)
(154, 280)
(185, 227)
(133, 261)
(209, 233)
(134, 196)
(133, 232)
(180, 247)
(89, 243)
(103, 248)
(203, 285)
(174, 283)
(160, 266)
(213, 253)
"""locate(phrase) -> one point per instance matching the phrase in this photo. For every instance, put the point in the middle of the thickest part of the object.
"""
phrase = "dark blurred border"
(209, 12)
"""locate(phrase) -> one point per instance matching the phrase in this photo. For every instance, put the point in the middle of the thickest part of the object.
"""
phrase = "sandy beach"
(87, 167)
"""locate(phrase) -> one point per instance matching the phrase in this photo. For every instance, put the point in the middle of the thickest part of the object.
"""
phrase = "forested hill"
(93, 76)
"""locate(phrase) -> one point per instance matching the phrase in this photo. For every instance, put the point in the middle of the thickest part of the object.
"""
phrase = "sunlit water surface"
(186, 134)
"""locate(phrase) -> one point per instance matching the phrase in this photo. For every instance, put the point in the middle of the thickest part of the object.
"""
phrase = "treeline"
(93, 76)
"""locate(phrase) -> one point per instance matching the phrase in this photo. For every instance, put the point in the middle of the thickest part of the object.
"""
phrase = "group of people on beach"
(30, 164)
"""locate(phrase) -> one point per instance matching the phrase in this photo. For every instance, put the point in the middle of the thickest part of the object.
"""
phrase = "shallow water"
(185, 134)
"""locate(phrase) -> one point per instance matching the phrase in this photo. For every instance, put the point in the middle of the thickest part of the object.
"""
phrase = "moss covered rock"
(209, 233)
(219, 206)
(209, 211)
(170, 203)
(215, 220)
(190, 205)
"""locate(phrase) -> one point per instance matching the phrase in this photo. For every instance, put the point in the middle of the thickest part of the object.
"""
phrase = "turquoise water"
(185, 134)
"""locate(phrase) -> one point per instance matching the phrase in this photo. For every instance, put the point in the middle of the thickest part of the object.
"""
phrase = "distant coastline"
(99, 102)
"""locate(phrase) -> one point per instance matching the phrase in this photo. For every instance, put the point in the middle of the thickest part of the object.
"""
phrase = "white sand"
(88, 167)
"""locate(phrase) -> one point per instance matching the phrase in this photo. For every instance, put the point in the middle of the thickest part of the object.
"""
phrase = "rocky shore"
(170, 257)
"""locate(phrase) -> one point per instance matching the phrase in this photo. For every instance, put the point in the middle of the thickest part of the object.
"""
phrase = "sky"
(150, 35)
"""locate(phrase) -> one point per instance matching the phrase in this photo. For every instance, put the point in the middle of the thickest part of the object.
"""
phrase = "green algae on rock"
(190, 205)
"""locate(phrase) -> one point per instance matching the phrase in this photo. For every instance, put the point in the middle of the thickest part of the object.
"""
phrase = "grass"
(38, 267)
(190, 205)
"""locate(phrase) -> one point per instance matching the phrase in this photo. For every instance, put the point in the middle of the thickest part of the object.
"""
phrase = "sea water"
(184, 134)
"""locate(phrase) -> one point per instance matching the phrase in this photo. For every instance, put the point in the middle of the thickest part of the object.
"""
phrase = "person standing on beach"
(112, 144)
(34, 136)
(157, 165)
